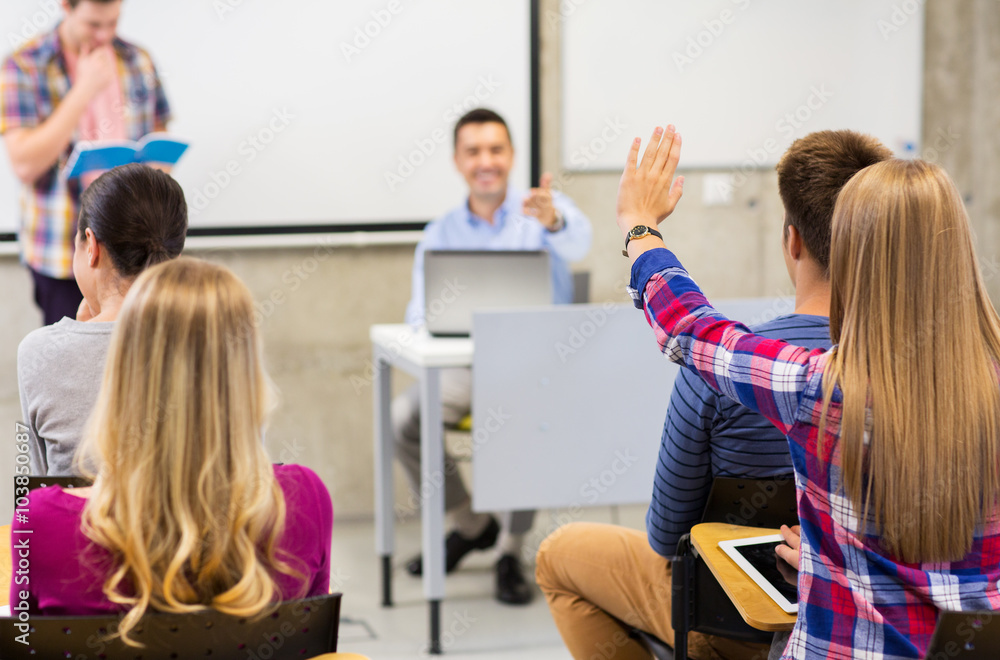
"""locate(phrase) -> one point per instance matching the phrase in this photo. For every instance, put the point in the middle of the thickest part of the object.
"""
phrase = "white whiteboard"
(741, 79)
(231, 67)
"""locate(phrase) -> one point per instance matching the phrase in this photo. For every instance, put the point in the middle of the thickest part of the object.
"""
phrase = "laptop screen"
(458, 282)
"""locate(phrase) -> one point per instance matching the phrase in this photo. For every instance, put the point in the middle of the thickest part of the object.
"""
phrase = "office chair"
(699, 602)
(298, 629)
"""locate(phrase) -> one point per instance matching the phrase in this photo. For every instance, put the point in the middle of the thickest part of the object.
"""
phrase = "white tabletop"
(420, 348)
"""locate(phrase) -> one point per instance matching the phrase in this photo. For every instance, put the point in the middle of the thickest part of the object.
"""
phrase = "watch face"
(637, 231)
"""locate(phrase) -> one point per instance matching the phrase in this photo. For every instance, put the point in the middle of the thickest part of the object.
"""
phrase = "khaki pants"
(601, 579)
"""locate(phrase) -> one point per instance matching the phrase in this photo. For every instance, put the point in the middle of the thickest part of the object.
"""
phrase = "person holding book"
(79, 82)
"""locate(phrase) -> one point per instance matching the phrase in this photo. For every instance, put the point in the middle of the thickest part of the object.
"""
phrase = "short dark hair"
(138, 214)
(480, 116)
(74, 3)
(810, 176)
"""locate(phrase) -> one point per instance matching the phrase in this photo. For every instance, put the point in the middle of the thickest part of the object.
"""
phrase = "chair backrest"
(296, 629)
(969, 635)
(752, 502)
(21, 487)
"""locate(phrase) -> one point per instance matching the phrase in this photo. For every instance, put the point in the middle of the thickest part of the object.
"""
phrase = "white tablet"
(757, 558)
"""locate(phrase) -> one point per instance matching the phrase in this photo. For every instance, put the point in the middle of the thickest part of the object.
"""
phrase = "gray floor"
(474, 625)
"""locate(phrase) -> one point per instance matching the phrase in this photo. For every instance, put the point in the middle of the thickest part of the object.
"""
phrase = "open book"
(107, 154)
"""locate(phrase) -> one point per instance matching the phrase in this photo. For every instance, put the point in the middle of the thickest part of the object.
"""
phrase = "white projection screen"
(318, 113)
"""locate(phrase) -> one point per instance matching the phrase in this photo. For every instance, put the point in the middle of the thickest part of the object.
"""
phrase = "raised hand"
(96, 69)
(538, 204)
(645, 193)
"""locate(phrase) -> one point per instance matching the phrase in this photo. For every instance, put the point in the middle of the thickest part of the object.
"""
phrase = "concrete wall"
(317, 338)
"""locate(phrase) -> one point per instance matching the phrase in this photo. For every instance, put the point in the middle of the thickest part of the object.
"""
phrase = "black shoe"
(457, 546)
(511, 587)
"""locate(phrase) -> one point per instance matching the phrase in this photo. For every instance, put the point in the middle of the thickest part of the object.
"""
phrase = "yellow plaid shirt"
(33, 81)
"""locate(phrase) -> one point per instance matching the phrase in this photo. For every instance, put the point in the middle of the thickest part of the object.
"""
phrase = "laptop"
(458, 282)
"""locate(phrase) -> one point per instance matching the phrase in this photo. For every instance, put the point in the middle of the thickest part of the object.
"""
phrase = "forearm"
(33, 151)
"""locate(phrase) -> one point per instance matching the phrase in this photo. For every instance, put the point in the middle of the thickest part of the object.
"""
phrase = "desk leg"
(384, 455)
(432, 492)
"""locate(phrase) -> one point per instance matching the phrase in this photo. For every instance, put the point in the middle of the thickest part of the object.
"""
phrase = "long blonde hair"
(917, 347)
(185, 497)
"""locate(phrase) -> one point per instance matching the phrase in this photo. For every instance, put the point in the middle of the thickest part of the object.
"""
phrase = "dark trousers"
(56, 298)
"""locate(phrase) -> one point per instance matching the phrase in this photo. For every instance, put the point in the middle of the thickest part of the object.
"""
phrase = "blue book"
(108, 154)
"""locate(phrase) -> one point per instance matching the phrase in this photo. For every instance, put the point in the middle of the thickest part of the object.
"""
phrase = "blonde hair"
(185, 497)
(917, 348)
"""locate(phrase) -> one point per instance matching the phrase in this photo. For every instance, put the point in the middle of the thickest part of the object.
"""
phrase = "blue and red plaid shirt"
(33, 81)
(855, 601)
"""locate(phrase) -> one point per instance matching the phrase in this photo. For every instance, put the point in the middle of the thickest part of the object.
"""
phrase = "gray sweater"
(59, 372)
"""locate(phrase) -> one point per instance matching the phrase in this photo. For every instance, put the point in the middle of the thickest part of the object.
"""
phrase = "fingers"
(791, 536)
(633, 156)
(545, 183)
(649, 155)
(676, 191)
(663, 150)
(791, 557)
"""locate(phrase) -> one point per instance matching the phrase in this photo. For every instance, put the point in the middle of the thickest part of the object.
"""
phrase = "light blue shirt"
(460, 229)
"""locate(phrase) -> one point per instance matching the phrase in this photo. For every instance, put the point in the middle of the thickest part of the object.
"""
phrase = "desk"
(422, 356)
(756, 608)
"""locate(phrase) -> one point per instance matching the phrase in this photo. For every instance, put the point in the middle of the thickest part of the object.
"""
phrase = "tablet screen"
(762, 557)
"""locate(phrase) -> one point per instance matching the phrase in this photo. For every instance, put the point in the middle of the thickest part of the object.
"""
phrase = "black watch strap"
(649, 231)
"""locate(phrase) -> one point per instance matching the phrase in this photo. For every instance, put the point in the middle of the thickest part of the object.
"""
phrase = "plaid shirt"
(855, 601)
(33, 81)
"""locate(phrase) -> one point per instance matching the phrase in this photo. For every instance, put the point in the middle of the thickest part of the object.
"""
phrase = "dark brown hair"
(138, 214)
(480, 116)
(74, 3)
(810, 176)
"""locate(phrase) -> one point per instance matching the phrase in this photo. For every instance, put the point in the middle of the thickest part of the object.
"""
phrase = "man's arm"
(34, 150)
(683, 477)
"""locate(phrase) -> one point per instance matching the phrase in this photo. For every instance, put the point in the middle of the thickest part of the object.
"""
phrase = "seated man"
(492, 218)
(600, 578)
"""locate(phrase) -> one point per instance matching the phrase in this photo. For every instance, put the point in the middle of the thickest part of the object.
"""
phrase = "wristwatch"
(639, 231)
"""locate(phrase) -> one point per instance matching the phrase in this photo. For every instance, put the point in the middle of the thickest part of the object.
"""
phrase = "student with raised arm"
(79, 82)
(131, 218)
(893, 432)
(705, 435)
(186, 512)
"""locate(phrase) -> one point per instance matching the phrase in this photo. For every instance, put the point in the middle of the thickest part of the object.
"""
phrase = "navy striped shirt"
(707, 435)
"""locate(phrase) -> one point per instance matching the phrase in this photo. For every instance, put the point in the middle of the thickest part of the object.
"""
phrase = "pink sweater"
(65, 572)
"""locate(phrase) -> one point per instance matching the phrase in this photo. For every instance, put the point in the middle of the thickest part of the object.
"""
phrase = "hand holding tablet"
(757, 558)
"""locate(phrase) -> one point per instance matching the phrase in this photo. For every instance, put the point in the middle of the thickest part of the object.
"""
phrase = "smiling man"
(79, 82)
(493, 217)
